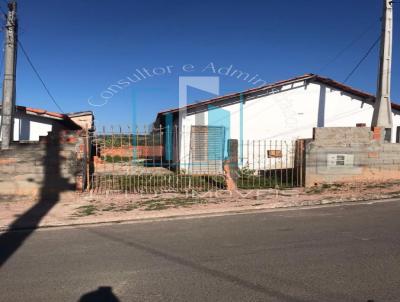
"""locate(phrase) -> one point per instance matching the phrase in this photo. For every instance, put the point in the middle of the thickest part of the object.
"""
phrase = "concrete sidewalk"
(78, 209)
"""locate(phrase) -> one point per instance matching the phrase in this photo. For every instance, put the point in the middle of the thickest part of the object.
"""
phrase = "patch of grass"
(86, 210)
(263, 182)
(127, 208)
(325, 186)
(314, 190)
(130, 207)
(117, 159)
(339, 184)
(185, 202)
(155, 206)
(378, 185)
(109, 208)
(153, 183)
(162, 204)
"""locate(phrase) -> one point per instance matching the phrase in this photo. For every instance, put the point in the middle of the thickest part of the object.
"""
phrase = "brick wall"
(129, 151)
(347, 154)
(54, 164)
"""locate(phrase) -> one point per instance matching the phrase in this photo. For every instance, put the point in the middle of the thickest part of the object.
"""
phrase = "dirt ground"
(74, 208)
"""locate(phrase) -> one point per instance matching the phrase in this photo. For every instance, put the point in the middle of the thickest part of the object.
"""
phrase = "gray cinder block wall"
(350, 154)
(51, 165)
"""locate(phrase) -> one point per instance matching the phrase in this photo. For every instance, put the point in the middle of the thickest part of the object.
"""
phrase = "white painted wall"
(288, 115)
(30, 128)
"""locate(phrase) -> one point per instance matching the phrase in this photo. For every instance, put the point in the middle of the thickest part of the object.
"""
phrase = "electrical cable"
(39, 77)
(362, 60)
(348, 46)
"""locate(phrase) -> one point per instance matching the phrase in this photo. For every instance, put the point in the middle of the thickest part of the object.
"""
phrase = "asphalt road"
(346, 253)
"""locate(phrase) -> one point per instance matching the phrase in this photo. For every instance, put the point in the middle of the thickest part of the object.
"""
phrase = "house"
(283, 111)
(31, 123)
(85, 119)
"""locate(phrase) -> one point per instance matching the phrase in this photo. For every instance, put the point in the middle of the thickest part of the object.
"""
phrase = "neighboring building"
(285, 110)
(85, 119)
(30, 123)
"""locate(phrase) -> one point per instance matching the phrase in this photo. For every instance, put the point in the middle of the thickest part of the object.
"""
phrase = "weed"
(130, 207)
(109, 208)
(155, 206)
(314, 190)
(86, 210)
(378, 185)
(162, 204)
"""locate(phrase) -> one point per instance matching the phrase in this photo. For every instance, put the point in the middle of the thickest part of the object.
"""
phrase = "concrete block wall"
(367, 158)
(54, 164)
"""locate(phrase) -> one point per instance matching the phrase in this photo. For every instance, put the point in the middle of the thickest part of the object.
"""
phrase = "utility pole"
(10, 55)
(382, 117)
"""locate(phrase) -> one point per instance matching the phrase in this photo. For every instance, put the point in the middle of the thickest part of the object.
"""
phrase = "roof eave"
(307, 77)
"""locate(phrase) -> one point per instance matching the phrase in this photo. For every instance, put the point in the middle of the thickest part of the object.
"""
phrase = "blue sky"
(81, 47)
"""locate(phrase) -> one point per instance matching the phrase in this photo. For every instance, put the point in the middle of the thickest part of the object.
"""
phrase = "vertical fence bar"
(88, 156)
(270, 164)
(297, 163)
(168, 134)
(253, 170)
(275, 165)
(281, 167)
(112, 136)
(136, 158)
(286, 165)
(258, 172)
(302, 162)
(264, 163)
(104, 147)
(292, 164)
(120, 136)
(241, 168)
(153, 149)
(178, 167)
(182, 139)
(129, 136)
(112, 152)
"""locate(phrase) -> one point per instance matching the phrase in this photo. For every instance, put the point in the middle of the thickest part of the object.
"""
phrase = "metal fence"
(271, 164)
(154, 160)
(145, 160)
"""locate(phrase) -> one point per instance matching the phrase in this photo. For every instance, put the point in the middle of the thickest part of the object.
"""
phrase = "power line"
(348, 46)
(39, 77)
(362, 59)
(33, 67)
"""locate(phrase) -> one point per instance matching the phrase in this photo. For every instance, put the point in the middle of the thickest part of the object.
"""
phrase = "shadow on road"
(53, 185)
(102, 294)
(269, 292)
